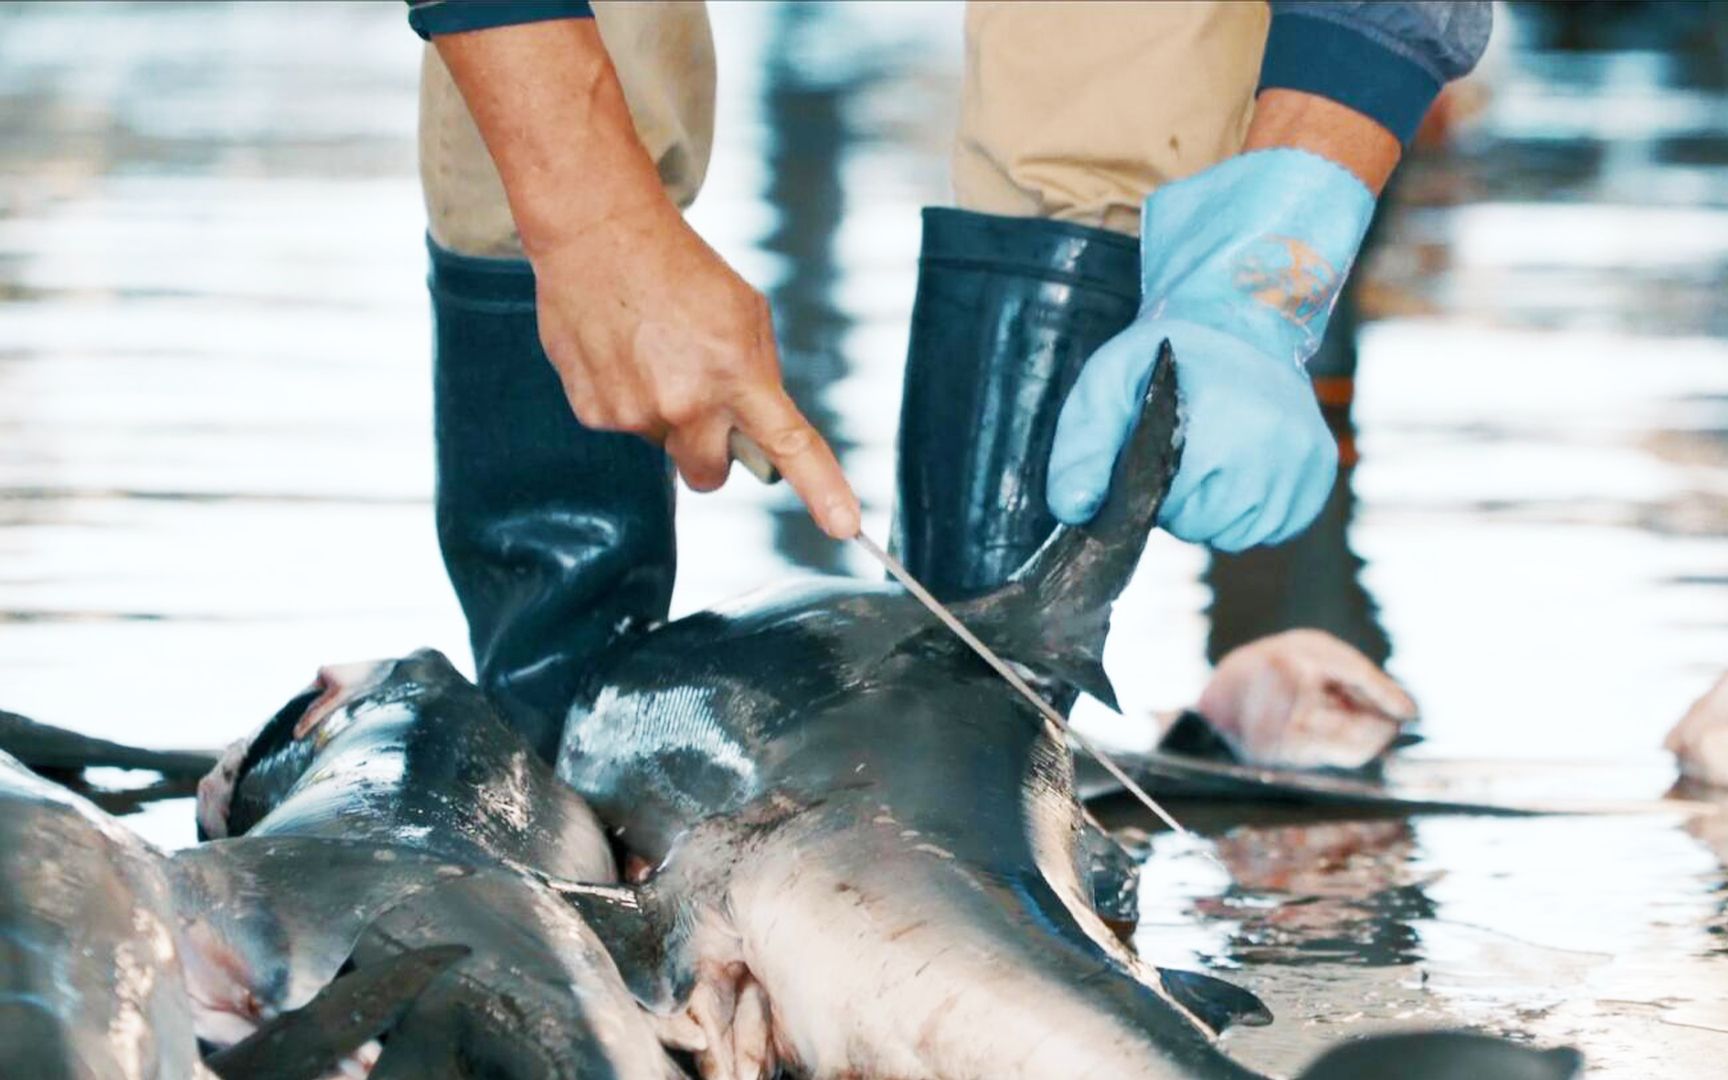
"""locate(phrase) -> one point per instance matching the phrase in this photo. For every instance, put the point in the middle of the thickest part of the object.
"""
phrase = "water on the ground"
(215, 460)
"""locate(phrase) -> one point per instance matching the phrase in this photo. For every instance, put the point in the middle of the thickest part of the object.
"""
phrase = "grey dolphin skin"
(98, 972)
(324, 1030)
(90, 983)
(880, 837)
(452, 826)
(408, 752)
(269, 922)
(866, 842)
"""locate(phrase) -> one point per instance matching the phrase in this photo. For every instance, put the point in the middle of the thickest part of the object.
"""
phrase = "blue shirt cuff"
(1317, 56)
(429, 18)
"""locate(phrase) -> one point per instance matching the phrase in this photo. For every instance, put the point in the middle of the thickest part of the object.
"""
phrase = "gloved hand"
(1240, 265)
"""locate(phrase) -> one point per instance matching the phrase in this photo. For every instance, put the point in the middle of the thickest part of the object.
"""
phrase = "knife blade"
(745, 451)
(912, 585)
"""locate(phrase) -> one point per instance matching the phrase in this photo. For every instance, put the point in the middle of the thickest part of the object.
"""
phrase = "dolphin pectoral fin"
(356, 1007)
(1214, 1002)
(1443, 1055)
(1112, 879)
(623, 917)
(706, 1003)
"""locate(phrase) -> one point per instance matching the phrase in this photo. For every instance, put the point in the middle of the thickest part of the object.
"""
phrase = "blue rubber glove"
(1240, 265)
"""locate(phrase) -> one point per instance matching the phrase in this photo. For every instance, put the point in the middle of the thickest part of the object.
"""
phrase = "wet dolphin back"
(90, 977)
(1054, 612)
(418, 758)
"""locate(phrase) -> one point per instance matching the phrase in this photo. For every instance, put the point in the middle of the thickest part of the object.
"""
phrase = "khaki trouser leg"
(664, 55)
(1077, 111)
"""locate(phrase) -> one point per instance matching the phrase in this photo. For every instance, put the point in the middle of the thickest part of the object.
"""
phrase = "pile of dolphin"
(871, 864)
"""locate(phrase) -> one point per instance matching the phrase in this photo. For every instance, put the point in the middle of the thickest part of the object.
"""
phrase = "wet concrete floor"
(215, 461)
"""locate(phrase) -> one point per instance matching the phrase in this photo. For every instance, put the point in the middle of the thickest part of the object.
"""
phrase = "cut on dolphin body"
(866, 843)
(449, 828)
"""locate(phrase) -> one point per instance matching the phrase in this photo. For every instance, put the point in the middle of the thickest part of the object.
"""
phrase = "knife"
(745, 451)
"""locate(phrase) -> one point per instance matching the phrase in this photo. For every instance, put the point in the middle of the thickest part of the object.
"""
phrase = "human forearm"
(649, 329)
(1301, 121)
(1351, 81)
(553, 116)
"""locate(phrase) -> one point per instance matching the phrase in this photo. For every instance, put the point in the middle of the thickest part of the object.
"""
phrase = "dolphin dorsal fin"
(1054, 613)
(627, 919)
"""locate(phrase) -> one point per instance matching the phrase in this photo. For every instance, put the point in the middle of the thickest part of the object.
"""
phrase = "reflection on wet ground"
(1600, 932)
(214, 461)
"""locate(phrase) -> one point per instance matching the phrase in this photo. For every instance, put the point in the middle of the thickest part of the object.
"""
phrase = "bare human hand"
(650, 331)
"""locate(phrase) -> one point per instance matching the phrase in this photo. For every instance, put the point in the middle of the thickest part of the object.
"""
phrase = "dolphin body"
(90, 981)
(387, 810)
(867, 844)
(869, 862)
(96, 969)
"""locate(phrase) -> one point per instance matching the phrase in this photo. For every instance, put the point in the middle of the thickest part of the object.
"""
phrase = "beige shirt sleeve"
(1069, 110)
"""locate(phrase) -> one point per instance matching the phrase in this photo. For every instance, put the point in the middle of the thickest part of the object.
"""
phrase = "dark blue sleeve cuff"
(1317, 56)
(429, 18)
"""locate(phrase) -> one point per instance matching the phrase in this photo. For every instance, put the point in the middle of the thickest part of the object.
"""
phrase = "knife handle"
(746, 453)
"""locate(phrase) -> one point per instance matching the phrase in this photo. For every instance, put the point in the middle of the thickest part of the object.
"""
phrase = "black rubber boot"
(1007, 311)
(557, 538)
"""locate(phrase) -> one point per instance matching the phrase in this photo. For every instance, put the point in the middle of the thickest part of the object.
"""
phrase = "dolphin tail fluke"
(1054, 613)
(1443, 1055)
(311, 1041)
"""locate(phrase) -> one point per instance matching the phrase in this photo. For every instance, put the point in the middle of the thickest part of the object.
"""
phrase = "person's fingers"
(1247, 529)
(1183, 486)
(612, 400)
(1224, 512)
(1095, 421)
(699, 449)
(1197, 516)
(768, 416)
(1308, 495)
(1270, 521)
